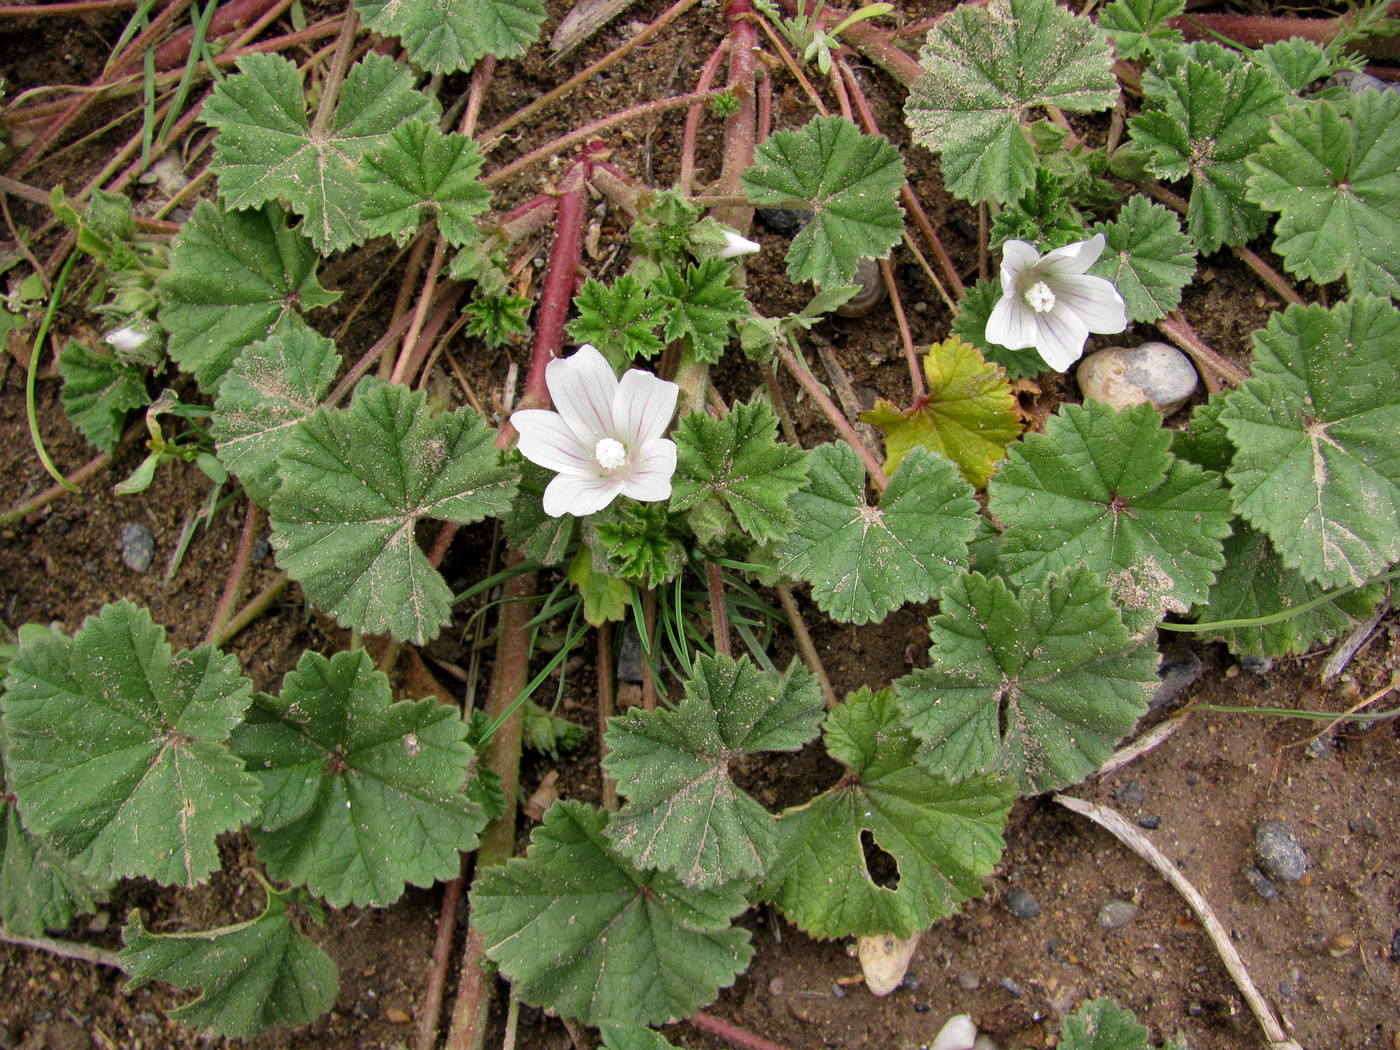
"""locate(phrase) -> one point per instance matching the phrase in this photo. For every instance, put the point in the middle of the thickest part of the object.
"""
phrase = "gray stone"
(630, 658)
(985, 1042)
(872, 290)
(1357, 82)
(1395, 946)
(1153, 373)
(1117, 914)
(1319, 747)
(1178, 670)
(1260, 882)
(1260, 665)
(1280, 853)
(1131, 794)
(138, 546)
(969, 981)
(784, 220)
(1021, 904)
(1150, 823)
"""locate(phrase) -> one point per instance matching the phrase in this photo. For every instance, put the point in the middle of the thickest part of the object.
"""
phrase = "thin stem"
(44, 498)
(1175, 327)
(605, 710)
(1282, 614)
(732, 1033)
(330, 88)
(256, 606)
(402, 372)
(792, 66)
(237, 572)
(805, 645)
(67, 949)
(77, 8)
(31, 378)
(911, 354)
(719, 614)
(431, 1011)
(648, 677)
(476, 94)
(685, 182)
(367, 359)
(843, 97)
(843, 426)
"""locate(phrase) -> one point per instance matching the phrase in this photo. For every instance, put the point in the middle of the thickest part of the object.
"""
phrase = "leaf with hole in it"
(1333, 176)
(576, 928)
(942, 838)
(968, 416)
(970, 325)
(699, 304)
(356, 482)
(363, 794)
(1136, 27)
(849, 181)
(1038, 684)
(864, 561)
(618, 320)
(1101, 489)
(684, 813)
(1147, 257)
(984, 70)
(451, 36)
(419, 171)
(235, 278)
(1205, 110)
(739, 459)
(98, 392)
(271, 388)
(1317, 439)
(269, 149)
(1101, 1024)
(253, 976)
(116, 748)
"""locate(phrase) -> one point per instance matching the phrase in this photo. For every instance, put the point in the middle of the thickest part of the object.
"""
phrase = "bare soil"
(1322, 951)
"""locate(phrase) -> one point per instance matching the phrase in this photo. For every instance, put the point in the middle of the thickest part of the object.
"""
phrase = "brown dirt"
(1208, 784)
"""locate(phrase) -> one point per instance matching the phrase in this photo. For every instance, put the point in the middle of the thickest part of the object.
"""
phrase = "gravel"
(138, 546)
(1021, 904)
(1281, 855)
(1116, 914)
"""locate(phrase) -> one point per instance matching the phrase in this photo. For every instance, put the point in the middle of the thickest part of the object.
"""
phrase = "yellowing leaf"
(968, 415)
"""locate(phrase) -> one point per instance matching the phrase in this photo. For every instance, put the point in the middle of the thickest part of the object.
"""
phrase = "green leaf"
(355, 483)
(636, 542)
(985, 69)
(497, 320)
(968, 416)
(684, 813)
(700, 304)
(624, 1035)
(1297, 62)
(254, 975)
(1042, 216)
(943, 838)
(619, 320)
(1255, 582)
(1147, 257)
(450, 36)
(115, 748)
(970, 325)
(739, 459)
(1100, 489)
(538, 536)
(1203, 440)
(1101, 1024)
(268, 150)
(98, 392)
(419, 170)
(1204, 111)
(604, 598)
(1317, 439)
(1333, 176)
(548, 733)
(271, 388)
(1137, 26)
(864, 561)
(235, 278)
(850, 182)
(576, 928)
(1037, 684)
(363, 794)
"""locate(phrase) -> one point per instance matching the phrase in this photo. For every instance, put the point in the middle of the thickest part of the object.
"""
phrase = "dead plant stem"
(340, 64)
(805, 645)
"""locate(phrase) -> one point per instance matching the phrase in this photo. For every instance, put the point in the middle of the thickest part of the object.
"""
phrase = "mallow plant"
(1048, 560)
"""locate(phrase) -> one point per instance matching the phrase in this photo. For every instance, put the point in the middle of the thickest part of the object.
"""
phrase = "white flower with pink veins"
(605, 437)
(1050, 303)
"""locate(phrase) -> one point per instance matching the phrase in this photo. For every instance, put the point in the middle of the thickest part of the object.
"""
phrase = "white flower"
(1050, 303)
(128, 339)
(734, 245)
(605, 439)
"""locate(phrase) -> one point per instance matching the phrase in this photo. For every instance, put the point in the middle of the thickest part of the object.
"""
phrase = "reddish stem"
(426, 1036)
(1179, 330)
(843, 426)
(732, 1033)
(911, 353)
(605, 709)
(79, 8)
(686, 181)
(1258, 30)
(740, 128)
(238, 572)
(719, 615)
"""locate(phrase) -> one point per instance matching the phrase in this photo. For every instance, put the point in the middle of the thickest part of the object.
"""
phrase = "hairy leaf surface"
(451, 36)
(98, 392)
(1147, 257)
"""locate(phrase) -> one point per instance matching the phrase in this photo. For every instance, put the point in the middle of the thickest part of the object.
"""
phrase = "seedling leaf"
(451, 36)
(942, 837)
(1317, 439)
(98, 392)
(699, 304)
(684, 814)
(1137, 26)
(115, 748)
(1297, 62)
(620, 320)
(1037, 684)
(864, 561)
(575, 927)
(1147, 257)
(604, 597)
(254, 975)
(850, 182)
(419, 170)
(623, 1035)
(985, 69)
(356, 481)
(1101, 1024)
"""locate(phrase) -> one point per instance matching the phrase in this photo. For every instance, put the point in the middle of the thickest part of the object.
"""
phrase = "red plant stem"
(238, 572)
(719, 615)
(1179, 330)
(731, 1033)
(403, 301)
(878, 45)
(843, 426)
(403, 371)
(686, 181)
(476, 94)
(427, 334)
(431, 1011)
(605, 709)
(648, 678)
(793, 68)
(1258, 30)
(81, 7)
(911, 354)
(843, 97)
(233, 16)
(148, 36)
(765, 108)
(740, 129)
(367, 359)
(48, 495)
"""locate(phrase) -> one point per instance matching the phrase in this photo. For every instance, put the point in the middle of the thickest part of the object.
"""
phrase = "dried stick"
(605, 709)
(67, 949)
(1158, 734)
(237, 573)
(805, 644)
(1117, 825)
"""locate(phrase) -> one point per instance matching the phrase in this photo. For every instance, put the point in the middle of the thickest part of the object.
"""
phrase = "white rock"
(958, 1034)
(884, 959)
(1153, 373)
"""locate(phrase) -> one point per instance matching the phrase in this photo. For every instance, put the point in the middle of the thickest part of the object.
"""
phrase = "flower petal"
(1012, 324)
(1073, 258)
(583, 387)
(1094, 299)
(1061, 337)
(569, 494)
(1016, 258)
(547, 440)
(643, 406)
(648, 477)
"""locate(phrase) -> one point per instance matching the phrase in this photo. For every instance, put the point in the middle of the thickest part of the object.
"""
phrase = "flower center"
(1040, 298)
(610, 453)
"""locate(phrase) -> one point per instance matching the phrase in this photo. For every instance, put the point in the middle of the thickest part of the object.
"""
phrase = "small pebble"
(969, 981)
(985, 1042)
(1150, 823)
(1280, 853)
(777, 986)
(1131, 794)
(1289, 984)
(783, 220)
(1021, 904)
(910, 983)
(262, 549)
(138, 546)
(1395, 946)
(1179, 669)
(1260, 882)
(1365, 824)
(837, 992)
(1011, 986)
(922, 1008)
(1260, 665)
(1153, 373)
(1341, 944)
(1117, 914)
(396, 1015)
(630, 657)
(1319, 746)
(957, 1033)
(1357, 82)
